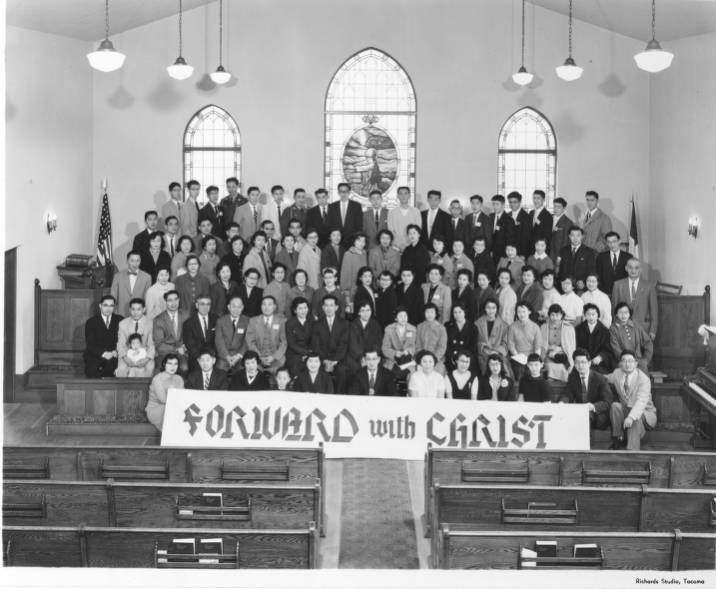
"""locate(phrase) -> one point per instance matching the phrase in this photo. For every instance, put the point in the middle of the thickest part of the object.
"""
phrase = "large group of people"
(240, 294)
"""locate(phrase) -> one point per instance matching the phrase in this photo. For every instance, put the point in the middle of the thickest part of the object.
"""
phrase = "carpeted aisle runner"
(377, 523)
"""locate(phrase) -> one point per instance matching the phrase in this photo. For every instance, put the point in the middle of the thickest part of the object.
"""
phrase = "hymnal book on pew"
(211, 546)
(183, 546)
(527, 553)
(586, 551)
(212, 499)
(546, 548)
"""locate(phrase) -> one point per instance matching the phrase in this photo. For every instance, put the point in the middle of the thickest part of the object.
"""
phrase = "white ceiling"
(84, 19)
(674, 18)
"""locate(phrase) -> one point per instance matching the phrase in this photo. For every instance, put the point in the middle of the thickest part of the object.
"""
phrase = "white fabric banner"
(367, 427)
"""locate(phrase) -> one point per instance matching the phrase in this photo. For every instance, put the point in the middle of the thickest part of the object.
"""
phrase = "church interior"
(464, 97)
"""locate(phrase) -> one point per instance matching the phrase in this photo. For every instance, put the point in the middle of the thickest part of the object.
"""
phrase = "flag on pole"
(104, 239)
(633, 236)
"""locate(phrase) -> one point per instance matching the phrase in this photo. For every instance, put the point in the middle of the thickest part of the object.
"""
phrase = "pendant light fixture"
(106, 58)
(220, 76)
(569, 71)
(180, 69)
(522, 77)
(653, 59)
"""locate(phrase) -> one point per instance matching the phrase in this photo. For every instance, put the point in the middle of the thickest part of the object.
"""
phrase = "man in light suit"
(438, 293)
(189, 220)
(296, 211)
(633, 391)
(435, 221)
(249, 215)
(199, 330)
(596, 223)
(477, 224)
(167, 331)
(129, 284)
(375, 219)
(266, 335)
(611, 264)
(346, 215)
(137, 322)
(541, 221)
(141, 240)
(274, 208)
(230, 336)
(640, 295)
(173, 207)
(561, 224)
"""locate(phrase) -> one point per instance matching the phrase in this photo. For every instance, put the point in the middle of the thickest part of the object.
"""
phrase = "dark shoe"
(617, 444)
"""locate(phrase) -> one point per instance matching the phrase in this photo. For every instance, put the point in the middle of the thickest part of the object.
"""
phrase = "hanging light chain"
(523, 32)
(221, 30)
(180, 23)
(570, 28)
(106, 19)
(653, 19)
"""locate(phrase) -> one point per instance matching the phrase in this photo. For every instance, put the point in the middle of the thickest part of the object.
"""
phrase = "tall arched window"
(370, 127)
(212, 149)
(527, 156)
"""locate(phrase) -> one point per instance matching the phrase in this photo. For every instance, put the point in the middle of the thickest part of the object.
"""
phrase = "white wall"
(459, 54)
(683, 153)
(49, 163)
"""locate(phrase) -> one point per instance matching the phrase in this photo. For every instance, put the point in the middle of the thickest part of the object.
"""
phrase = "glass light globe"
(653, 59)
(522, 77)
(180, 69)
(106, 58)
(220, 76)
(569, 71)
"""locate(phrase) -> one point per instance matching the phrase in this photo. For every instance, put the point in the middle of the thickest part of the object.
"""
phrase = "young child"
(283, 379)
(278, 288)
(571, 302)
(135, 353)
(534, 388)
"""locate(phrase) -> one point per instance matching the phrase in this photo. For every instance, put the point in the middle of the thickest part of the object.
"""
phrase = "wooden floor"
(374, 508)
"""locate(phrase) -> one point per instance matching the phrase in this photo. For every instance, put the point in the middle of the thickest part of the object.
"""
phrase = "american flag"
(104, 239)
(633, 235)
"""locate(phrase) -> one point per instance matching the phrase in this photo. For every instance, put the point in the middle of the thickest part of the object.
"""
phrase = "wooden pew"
(152, 504)
(557, 468)
(676, 551)
(137, 547)
(699, 394)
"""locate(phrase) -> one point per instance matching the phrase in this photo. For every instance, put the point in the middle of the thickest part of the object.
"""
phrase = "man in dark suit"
(375, 219)
(272, 244)
(101, 332)
(590, 387)
(435, 220)
(477, 224)
(212, 211)
(373, 378)
(523, 226)
(206, 377)
(502, 226)
(329, 336)
(141, 240)
(230, 203)
(561, 225)
(457, 228)
(317, 217)
(198, 331)
(345, 214)
(577, 260)
(540, 220)
(611, 264)
(296, 211)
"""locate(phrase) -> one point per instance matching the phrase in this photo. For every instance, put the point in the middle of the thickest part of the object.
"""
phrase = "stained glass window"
(527, 156)
(212, 149)
(370, 127)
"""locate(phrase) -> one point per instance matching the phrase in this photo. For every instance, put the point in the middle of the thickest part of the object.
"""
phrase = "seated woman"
(432, 336)
(223, 289)
(594, 337)
(491, 337)
(284, 380)
(425, 381)
(550, 295)
(530, 291)
(185, 248)
(533, 386)
(440, 257)
(278, 288)
(571, 303)
(483, 292)
(161, 383)
(398, 346)
(364, 333)
(462, 383)
(627, 335)
(354, 260)
(461, 335)
(464, 294)
(298, 335)
(598, 298)
(539, 260)
(209, 259)
(409, 295)
(155, 294)
(560, 343)
(250, 378)
(385, 256)
(506, 297)
(309, 260)
(459, 262)
(363, 291)
(513, 263)
(386, 300)
(299, 287)
(191, 285)
(312, 379)
(495, 385)
(523, 338)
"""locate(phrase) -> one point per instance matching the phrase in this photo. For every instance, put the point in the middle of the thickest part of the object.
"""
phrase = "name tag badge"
(275, 327)
(240, 331)
(459, 265)
(409, 334)
(479, 224)
(436, 297)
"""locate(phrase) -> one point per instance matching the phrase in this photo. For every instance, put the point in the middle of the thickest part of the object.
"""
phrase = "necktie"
(204, 326)
(278, 208)
(633, 290)
(266, 322)
(626, 384)
(477, 219)
(107, 321)
(574, 250)
(377, 219)
(171, 246)
(614, 262)
(584, 387)
(207, 376)
(174, 323)
(178, 206)
(343, 213)
(266, 264)
(236, 324)
(323, 214)
(256, 217)
(371, 383)
(136, 327)
(589, 216)
(497, 221)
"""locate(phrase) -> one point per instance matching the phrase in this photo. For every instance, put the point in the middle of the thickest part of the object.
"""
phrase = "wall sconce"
(694, 224)
(51, 221)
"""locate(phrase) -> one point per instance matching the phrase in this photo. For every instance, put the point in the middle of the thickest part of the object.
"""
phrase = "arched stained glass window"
(370, 127)
(212, 149)
(527, 156)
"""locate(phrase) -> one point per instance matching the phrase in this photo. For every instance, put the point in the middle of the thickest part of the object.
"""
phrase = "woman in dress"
(354, 260)
(441, 257)
(560, 342)
(250, 378)
(191, 285)
(409, 295)
(235, 257)
(462, 383)
(312, 379)
(399, 343)
(161, 383)
(208, 257)
(364, 292)
(185, 248)
(425, 381)
(432, 336)
(278, 288)
(627, 335)
(222, 290)
(523, 338)
(483, 292)
(464, 295)
(309, 259)
(155, 257)
(506, 297)
(299, 288)
(386, 300)
(495, 385)
(154, 298)
(594, 337)
(461, 335)
(298, 334)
